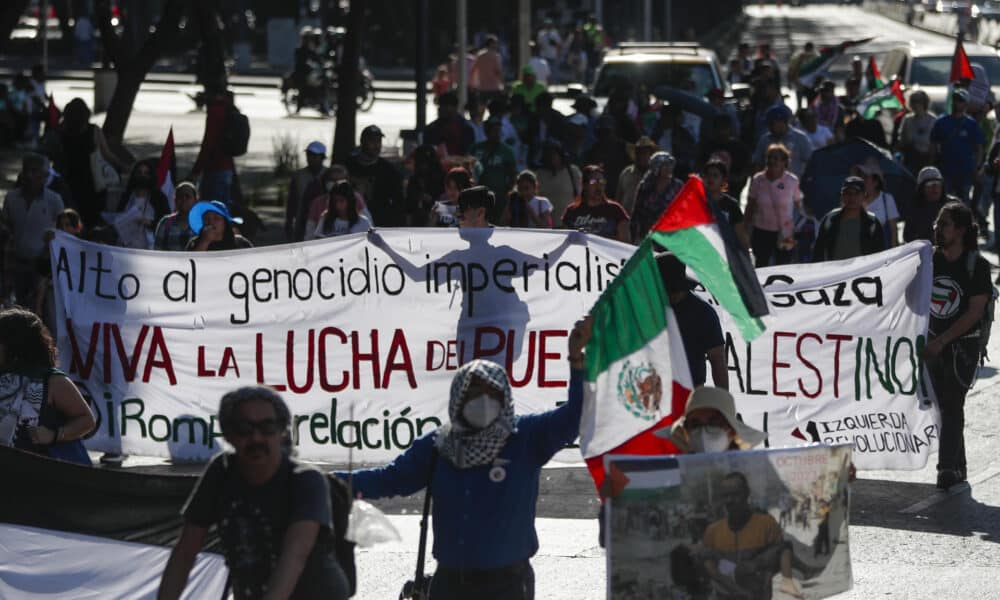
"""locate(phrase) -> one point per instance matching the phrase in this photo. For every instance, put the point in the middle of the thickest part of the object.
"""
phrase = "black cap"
(371, 130)
(478, 196)
(853, 182)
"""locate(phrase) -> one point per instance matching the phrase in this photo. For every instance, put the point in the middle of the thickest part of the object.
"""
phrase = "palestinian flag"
(166, 168)
(873, 78)
(820, 65)
(695, 231)
(72, 531)
(885, 98)
(637, 377)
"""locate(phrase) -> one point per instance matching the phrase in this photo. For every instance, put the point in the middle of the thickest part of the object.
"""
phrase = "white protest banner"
(360, 334)
(840, 361)
(669, 535)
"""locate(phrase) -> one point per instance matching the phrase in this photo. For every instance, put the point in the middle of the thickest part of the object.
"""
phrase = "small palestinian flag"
(873, 78)
(885, 98)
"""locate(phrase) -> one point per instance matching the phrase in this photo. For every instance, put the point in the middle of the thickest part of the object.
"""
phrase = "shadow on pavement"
(877, 503)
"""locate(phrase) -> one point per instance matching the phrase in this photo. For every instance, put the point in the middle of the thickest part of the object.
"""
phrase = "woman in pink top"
(774, 192)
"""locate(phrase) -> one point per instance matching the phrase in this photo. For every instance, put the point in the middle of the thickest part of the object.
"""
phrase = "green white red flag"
(885, 98)
(637, 378)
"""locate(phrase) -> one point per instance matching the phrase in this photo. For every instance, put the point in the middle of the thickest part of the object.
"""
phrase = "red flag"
(53, 119)
(166, 168)
(961, 68)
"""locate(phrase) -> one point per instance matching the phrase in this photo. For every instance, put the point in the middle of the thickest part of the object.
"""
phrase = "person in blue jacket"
(483, 469)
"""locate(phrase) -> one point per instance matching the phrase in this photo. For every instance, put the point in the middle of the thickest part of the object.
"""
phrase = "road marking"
(953, 491)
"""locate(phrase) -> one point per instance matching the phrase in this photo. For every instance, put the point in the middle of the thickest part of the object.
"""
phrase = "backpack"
(340, 504)
(986, 321)
(236, 133)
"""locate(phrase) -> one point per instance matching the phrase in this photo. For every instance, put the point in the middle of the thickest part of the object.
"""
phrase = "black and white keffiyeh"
(465, 447)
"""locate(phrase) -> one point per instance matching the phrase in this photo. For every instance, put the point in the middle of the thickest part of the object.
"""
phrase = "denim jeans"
(217, 185)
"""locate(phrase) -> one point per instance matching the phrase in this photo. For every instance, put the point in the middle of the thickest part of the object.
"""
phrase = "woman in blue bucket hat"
(213, 228)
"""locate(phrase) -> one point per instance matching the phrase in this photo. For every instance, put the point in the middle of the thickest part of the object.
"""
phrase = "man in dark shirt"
(959, 141)
(699, 324)
(380, 183)
(450, 128)
(273, 515)
(959, 296)
(850, 230)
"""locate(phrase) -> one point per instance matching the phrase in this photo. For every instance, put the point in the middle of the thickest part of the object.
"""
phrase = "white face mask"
(709, 439)
(481, 411)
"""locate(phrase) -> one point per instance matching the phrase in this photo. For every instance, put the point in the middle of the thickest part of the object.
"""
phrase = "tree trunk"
(212, 53)
(120, 107)
(348, 80)
(9, 15)
(132, 65)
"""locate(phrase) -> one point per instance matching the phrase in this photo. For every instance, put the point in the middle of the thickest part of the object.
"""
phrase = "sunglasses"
(244, 428)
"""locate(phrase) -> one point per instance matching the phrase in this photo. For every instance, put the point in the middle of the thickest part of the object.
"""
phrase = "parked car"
(683, 66)
(927, 67)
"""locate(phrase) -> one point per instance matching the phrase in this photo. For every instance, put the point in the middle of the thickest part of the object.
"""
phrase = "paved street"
(908, 540)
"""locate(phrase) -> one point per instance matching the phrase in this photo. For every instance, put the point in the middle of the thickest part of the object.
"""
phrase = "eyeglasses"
(596, 180)
(244, 428)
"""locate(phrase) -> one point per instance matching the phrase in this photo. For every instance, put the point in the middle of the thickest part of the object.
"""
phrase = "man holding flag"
(959, 144)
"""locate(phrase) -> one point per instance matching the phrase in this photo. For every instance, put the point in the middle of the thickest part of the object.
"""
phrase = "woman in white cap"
(879, 202)
(927, 203)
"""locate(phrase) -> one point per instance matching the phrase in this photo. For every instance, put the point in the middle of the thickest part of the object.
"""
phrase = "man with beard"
(273, 515)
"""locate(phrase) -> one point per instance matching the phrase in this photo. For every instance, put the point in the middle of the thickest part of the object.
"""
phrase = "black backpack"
(986, 321)
(340, 504)
(236, 133)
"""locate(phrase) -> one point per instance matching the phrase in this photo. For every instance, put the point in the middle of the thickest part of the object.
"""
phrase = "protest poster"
(754, 524)
(360, 334)
(841, 360)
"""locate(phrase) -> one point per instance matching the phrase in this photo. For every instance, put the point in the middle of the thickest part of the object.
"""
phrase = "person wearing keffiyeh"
(483, 469)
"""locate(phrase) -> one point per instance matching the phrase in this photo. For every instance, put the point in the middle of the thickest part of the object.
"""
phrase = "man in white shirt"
(819, 135)
(29, 211)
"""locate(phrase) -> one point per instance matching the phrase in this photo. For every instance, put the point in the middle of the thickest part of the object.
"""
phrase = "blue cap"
(778, 113)
(196, 216)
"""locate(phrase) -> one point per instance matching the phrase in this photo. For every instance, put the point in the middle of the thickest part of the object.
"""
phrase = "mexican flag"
(701, 237)
(819, 66)
(637, 376)
(884, 98)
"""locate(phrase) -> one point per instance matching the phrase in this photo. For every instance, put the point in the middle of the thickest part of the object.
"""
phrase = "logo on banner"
(640, 389)
(946, 296)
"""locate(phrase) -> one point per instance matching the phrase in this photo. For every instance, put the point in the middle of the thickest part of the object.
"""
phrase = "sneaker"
(946, 478)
